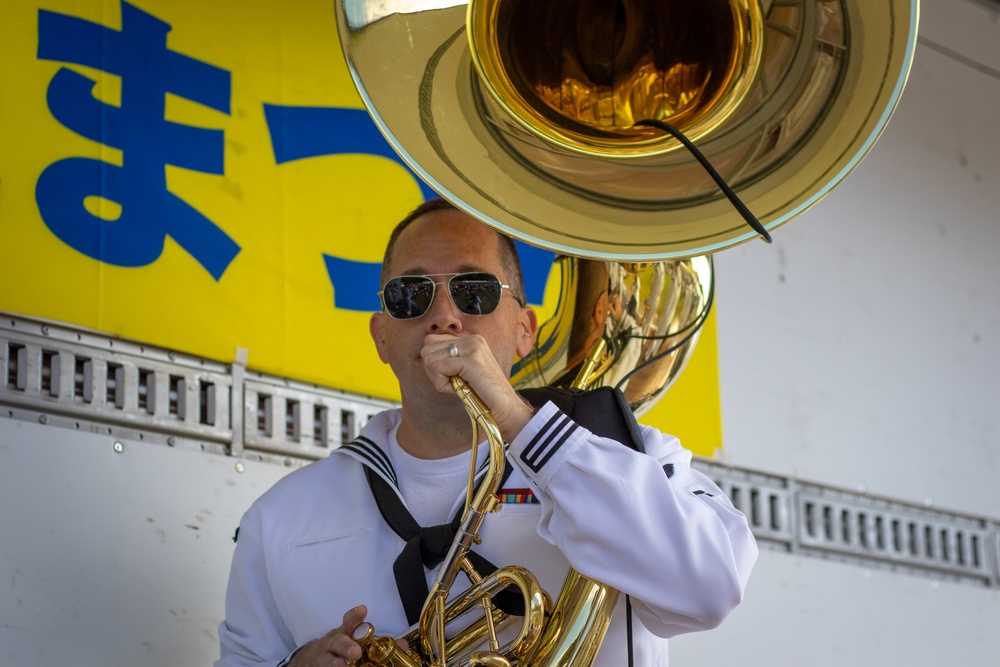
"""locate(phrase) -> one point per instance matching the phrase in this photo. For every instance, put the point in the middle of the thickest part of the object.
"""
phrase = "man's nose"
(443, 314)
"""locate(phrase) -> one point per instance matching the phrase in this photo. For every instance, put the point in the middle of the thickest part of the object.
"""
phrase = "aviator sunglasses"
(407, 297)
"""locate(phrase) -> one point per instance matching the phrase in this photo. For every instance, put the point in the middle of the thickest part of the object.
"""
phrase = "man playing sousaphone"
(339, 542)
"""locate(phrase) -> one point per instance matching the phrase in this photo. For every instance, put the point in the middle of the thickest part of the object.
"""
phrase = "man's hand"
(337, 647)
(475, 363)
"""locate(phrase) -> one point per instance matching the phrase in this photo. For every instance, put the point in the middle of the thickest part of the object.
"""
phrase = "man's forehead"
(474, 246)
(447, 222)
(423, 270)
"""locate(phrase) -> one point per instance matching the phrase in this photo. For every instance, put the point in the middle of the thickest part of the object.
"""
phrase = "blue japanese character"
(149, 212)
(303, 132)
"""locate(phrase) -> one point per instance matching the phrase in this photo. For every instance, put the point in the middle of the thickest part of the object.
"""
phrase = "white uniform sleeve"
(253, 632)
(643, 523)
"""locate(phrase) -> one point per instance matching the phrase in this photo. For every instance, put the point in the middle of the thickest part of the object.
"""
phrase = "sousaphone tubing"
(529, 115)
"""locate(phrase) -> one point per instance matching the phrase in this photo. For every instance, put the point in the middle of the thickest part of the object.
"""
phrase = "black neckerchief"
(427, 547)
(604, 412)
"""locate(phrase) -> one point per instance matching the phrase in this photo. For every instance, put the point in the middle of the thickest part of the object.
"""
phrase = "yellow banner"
(202, 176)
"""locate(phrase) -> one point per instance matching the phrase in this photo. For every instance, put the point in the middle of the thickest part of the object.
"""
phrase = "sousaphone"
(534, 117)
(522, 112)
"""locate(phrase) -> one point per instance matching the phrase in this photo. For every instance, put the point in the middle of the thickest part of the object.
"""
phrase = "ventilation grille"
(51, 372)
(299, 420)
(68, 378)
(64, 377)
(816, 520)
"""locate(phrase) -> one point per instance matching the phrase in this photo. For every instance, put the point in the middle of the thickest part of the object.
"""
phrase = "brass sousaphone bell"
(523, 113)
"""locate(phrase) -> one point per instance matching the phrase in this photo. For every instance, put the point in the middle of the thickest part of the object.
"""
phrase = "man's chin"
(428, 395)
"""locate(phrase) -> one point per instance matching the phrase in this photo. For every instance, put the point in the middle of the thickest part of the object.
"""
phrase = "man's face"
(444, 242)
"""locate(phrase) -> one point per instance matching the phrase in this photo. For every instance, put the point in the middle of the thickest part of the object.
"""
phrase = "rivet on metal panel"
(45, 330)
(171, 441)
(240, 467)
(119, 448)
(43, 419)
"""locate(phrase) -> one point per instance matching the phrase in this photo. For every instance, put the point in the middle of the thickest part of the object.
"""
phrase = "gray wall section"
(804, 612)
(862, 350)
(111, 558)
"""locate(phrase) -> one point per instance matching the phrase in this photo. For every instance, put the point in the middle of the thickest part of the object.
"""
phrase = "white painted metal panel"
(111, 558)
(862, 349)
(805, 612)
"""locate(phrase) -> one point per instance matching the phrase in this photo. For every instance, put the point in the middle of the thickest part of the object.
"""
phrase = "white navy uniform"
(315, 545)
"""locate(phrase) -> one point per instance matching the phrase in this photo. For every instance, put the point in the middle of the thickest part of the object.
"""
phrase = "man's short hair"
(591, 283)
(508, 251)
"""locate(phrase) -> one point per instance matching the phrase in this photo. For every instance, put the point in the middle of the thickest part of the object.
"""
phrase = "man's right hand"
(337, 647)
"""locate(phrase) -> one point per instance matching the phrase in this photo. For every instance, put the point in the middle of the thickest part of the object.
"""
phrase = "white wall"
(112, 558)
(862, 350)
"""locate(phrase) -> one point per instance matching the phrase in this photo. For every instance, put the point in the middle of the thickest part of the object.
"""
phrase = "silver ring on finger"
(453, 350)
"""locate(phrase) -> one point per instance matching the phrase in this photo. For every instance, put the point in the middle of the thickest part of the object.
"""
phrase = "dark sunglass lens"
(476, 293)
(408, 296)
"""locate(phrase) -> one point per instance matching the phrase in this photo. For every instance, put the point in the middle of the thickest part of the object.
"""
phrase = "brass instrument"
(427, 642)
(628, 325)
(527, 115)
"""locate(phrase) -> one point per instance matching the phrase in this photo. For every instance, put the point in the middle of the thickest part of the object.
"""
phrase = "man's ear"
(600, 313)
(529, 324)
(376, 327)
